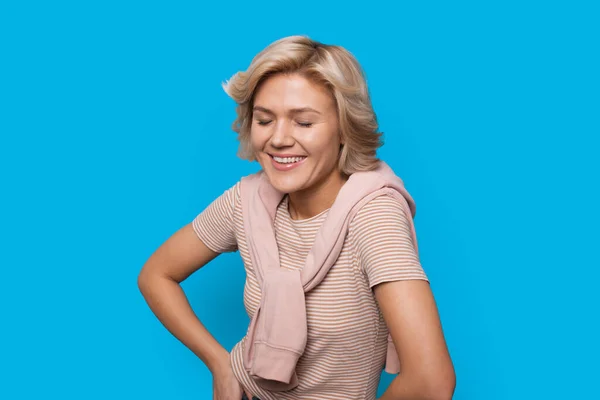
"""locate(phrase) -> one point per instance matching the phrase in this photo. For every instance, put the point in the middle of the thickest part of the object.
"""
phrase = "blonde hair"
(332, 66)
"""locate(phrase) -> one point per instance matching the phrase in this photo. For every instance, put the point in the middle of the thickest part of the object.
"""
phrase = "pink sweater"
(278, 330)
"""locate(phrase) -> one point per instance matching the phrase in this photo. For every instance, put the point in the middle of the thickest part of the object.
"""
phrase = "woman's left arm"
(410, 312)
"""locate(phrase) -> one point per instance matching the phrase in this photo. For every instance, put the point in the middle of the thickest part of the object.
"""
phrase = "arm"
(412, 318)
(175, 260)
(211, 233)
(388, 257)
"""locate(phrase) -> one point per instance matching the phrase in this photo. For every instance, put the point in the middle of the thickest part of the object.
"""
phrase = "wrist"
(219, 363)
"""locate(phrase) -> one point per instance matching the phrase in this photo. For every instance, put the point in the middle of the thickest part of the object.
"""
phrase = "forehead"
(284, 91)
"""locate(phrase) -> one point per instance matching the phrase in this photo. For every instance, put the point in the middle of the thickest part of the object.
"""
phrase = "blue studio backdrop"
(115, 132)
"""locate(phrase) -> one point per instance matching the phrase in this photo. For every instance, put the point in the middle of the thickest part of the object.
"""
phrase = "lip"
(285, 167)
(285, 155)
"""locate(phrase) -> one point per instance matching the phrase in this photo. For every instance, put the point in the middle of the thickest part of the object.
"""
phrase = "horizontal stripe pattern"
(347, 335)
(214, 225)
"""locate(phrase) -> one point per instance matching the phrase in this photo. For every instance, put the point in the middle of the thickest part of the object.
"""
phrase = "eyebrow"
(292, 111)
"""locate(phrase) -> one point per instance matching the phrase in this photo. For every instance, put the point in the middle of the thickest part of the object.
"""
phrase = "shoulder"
(383, 225)
(230, 196)
(235, 190)
(379, 212)
(385, 244)
(248, 184)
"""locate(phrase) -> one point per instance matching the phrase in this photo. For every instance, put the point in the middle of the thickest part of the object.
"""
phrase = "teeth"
(288, 160)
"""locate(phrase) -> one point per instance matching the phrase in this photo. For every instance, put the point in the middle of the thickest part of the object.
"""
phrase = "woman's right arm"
(159, 282)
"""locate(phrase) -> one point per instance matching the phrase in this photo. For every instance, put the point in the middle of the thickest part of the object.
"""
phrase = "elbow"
(150, 280)
(142, 282)
(440, 387)
(145, 281)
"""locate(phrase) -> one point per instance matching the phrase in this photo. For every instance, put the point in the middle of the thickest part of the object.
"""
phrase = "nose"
(282, 135)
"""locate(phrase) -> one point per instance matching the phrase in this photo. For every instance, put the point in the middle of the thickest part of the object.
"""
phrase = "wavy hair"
(329, 65)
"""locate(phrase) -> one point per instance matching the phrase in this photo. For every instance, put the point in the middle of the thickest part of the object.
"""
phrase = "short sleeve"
(382, 238)
(215, 225)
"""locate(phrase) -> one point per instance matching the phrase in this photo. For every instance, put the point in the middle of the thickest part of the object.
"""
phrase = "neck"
(313, 201)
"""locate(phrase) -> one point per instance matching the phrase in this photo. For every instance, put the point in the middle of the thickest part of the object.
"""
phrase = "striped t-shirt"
(347, 335)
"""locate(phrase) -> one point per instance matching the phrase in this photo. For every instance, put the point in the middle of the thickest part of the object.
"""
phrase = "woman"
(305, 115)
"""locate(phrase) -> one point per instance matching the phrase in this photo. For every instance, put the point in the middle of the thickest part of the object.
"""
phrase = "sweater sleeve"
(383, 242)
(214, 226)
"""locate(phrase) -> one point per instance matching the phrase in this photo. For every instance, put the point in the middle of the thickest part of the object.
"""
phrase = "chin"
(286, 182)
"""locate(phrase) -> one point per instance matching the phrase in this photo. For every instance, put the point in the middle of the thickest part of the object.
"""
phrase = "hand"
(226, 385)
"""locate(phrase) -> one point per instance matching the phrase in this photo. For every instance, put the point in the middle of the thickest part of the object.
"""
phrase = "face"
(295, 133)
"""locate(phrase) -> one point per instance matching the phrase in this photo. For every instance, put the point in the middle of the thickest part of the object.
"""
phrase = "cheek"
(320, 142)
(257, 139)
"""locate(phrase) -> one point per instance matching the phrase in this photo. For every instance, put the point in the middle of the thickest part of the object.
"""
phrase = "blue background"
(115, 132)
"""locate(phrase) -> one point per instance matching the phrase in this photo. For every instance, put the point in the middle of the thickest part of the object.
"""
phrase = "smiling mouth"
(287, 160)
(286, 163)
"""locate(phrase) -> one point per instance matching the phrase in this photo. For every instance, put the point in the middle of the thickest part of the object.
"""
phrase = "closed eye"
(263, 122)
(305, 124)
